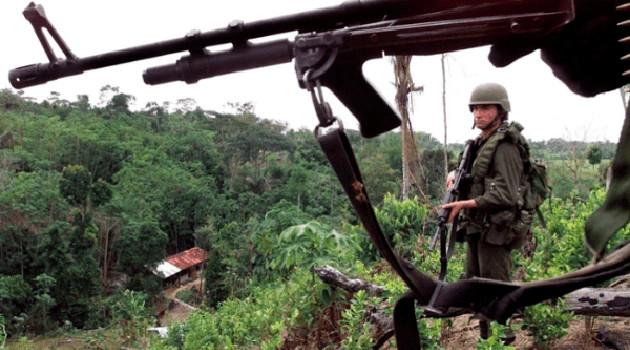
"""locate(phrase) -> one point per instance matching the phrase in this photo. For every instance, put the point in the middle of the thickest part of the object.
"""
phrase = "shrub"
(546, 323)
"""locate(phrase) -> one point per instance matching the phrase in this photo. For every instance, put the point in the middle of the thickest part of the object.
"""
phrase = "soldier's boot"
(484, 329)
(509, 337)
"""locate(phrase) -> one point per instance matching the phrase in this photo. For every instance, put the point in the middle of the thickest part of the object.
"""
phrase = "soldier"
(492, 213)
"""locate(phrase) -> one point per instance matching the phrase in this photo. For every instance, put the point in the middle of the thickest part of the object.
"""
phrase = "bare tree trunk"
(444, 113)
(105, 261)
(411, 162)
(401, 70)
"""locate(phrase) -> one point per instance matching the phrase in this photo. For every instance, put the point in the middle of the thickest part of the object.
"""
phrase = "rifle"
(329, 50)
(452, 194)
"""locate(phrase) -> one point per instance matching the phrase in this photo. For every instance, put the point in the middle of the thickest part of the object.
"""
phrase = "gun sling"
(494, 299)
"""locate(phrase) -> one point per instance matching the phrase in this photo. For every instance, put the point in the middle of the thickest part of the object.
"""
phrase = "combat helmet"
(489, 94)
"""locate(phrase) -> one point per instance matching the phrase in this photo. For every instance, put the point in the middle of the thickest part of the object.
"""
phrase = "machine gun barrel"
(192, 68)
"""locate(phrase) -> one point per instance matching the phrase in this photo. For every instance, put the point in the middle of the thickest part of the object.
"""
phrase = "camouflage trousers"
(487, 260)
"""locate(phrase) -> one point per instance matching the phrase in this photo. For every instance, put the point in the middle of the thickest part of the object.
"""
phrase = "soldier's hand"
(457, 206)
(450, 178)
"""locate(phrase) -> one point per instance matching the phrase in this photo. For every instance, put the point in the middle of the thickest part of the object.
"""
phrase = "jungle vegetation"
(91, 193)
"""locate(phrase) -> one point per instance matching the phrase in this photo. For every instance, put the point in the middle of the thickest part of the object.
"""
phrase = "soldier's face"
(485, 115)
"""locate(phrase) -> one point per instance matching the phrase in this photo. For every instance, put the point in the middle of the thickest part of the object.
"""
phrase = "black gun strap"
(452, 239)
(338, 150)
(495, 299)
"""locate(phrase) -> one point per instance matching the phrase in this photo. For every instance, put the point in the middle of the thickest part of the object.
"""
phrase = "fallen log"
(383, 324)
(599, 302)
(334, 277)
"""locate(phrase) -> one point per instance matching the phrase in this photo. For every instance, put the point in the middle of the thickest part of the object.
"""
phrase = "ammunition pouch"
(475, 222)
(506, 228)
(499, 229)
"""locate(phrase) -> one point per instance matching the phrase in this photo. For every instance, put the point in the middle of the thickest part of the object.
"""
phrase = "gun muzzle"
(41, 73)
(195, 67)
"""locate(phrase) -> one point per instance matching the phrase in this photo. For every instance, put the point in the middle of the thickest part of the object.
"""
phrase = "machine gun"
(329, 50)
(454, 193)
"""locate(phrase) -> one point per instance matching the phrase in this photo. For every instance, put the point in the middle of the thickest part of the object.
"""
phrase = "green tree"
(44, 301)
(378, 177)
(74, 185)
(30, 203)
(594, 154)
(15, 298)
(66, 254)
(433, 163)
(307, 150)
(255, 142)
(298, 177)
(141, 247)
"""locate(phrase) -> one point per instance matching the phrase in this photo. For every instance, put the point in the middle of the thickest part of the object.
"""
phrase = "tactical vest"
(478, 221)
(485, 155)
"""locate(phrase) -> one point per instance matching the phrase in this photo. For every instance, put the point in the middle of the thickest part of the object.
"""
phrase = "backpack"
(536, 186)
(534, 183)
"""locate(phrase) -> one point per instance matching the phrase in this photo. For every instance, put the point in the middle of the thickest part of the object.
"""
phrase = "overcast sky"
(543, 104)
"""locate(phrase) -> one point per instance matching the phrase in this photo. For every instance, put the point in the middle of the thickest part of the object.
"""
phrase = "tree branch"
(332, 276)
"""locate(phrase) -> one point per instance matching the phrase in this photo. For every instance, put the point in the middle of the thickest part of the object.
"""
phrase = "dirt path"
(170, 292)
(175, 312)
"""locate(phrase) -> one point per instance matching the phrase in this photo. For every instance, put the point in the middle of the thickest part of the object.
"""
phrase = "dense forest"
(92, 198)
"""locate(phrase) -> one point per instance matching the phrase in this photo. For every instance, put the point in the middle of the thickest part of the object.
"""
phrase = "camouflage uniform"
(496, 187)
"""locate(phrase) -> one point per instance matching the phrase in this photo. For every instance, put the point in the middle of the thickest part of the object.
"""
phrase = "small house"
(182, 266)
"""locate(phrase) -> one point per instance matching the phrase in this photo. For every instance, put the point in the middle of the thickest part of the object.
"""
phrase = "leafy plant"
(430, 331)
(257, 321)
(546, 323)
(495, 340)
(186, 295)
(354, 325)
(313, 244)
(132, 315)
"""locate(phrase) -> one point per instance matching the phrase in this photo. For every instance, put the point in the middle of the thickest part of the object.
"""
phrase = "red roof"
(188, 258)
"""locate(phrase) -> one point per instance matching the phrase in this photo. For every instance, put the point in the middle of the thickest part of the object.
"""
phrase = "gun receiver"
(331, 45)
